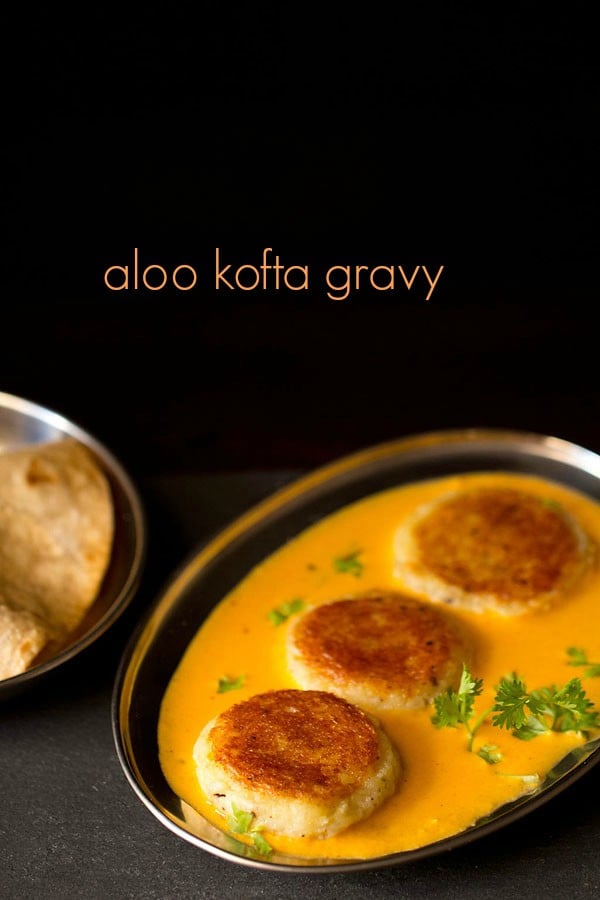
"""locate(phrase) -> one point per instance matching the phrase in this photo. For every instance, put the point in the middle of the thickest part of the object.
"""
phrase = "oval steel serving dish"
(22, 423)
(160, 641)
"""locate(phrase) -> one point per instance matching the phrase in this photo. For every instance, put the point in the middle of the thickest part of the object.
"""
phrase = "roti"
(56, 534)
(22, 637)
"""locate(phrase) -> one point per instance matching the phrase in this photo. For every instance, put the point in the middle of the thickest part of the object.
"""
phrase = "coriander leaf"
(239, 821)
(230, 684)
(447, 710)
(468, 689)
(260, 843)
(541, 701)
(456, 707)
(573, 710)
(281, 613)
(578, 657)
(490, 753)
(349, 564)
(532, 728)
(510, 703)
(571, 697)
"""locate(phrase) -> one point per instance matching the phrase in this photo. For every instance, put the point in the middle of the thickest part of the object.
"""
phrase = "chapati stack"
(56, 534)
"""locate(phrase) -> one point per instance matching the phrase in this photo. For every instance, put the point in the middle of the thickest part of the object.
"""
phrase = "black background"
(406, 139)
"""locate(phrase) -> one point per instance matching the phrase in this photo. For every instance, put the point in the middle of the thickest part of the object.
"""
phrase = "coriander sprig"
(526, 714)
(491, 753)
(454, 708)
(531, 713)
(552, 504)
(578, 657)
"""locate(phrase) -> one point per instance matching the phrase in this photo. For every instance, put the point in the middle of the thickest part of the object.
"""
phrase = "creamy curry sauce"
(444, 788)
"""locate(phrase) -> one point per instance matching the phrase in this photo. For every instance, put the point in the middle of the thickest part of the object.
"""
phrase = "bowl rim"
(115, 472)
(545, 446)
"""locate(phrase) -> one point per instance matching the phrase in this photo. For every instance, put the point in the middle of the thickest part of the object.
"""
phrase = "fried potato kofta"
(491, 548)
(304, 763)
(382, 650)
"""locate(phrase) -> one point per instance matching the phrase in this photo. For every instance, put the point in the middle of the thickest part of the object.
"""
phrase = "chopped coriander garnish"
(578, 657)
(261, 843)
(230, 684)
(533, 779)
(554, 505)
(240, 821)
(349, 564)
(490, 753)
(281, 614)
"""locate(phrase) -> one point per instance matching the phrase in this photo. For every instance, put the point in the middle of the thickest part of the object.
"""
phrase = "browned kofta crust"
(498, 541)
(297, 743)
(385, 641)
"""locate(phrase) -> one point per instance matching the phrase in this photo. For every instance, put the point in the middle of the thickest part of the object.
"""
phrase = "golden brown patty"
(491, 547)
(382, 650)
(305, 763)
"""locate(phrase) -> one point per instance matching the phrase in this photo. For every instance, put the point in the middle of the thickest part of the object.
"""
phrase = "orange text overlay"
(269, 273)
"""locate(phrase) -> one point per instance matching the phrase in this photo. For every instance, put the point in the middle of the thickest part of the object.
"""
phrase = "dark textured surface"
(71, 827)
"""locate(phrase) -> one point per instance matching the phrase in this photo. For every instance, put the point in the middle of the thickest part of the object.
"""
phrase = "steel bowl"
(24, 423)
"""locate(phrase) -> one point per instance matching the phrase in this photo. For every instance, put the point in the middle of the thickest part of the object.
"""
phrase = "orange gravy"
(444, 788)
